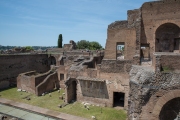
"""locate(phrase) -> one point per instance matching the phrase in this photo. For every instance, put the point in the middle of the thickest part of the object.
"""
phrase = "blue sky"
(39, 22)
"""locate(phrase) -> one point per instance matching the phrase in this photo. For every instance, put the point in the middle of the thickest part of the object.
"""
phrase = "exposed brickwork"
(114, 66)
(155, 14)
(95, 76)
(12, 65)
(38, 83)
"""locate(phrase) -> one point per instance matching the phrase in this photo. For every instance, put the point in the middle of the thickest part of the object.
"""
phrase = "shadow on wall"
(71, 90)
(96, 89)
(48, 84)
(51, 60)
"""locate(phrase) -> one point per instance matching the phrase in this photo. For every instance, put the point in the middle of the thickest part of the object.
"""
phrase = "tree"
(94, 46)
(60, 39)
(84, 44)
(29, 48)
(122, 48)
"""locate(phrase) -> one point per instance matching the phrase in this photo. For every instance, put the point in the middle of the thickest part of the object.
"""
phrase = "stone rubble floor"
(22, 114)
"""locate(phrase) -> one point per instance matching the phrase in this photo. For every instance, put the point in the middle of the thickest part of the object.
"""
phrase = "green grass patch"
(166, 69)
(52, 103)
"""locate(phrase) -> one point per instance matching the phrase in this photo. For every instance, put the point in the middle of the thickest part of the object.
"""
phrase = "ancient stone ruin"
(139, 70)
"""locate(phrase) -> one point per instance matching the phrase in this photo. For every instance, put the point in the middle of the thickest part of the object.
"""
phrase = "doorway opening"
(118, 99)
(61, 76)
(74, 94)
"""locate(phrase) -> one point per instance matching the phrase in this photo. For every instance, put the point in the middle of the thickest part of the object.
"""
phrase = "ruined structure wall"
(122, 78)
(38, 80)
(101, 92)
(62, 70)
(117, 82)
(37, 83)
(107, 66)
(67, 47)
(150, 91)
(133, 16)
(155, 14)
(93, 92)
(118, 32)
(26, 83)
(70, 59)
(114, 66)
(48, 84)
(173, 63)
(71, 90)
(55, 50)
(161, 63)
(90, 73)
(57, 57)
(117, 74)
(12, 65)
(155, 104)
(95, 89)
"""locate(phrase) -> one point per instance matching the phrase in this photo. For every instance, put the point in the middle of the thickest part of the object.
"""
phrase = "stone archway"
(170, 110)
(167, 38)
(162, 104)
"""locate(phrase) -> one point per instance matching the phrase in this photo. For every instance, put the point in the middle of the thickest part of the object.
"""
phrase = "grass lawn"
(52, 103)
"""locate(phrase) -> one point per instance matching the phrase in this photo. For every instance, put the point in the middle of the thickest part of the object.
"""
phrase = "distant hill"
(34, 47)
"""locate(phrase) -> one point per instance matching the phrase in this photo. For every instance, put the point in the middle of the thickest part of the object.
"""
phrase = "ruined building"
(154, 83)
(139, 69)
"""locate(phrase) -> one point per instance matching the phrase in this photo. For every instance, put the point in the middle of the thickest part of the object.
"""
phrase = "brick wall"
(12, 65)
(48, 84)
(161, 63)
(114, 66)
(120, 34)
(27, 83)
(154, 14)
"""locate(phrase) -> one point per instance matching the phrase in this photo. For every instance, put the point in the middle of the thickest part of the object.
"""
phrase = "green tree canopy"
(60, 39)
(94, 46)
(84, 44)
(29, 48)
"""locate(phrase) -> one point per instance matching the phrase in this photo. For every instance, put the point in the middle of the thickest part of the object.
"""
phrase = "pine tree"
(60, 39)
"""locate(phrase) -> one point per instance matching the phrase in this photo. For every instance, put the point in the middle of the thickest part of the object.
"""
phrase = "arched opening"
(52, 60)
(170, 110)
(167, 38)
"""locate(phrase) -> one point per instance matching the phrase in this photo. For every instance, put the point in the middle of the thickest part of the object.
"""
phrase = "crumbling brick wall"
(114, 66)
(12, 65)
(48, 84)
(154, 14)
(27, 83)
(161, 64)
(149, 91)
(118, 32)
